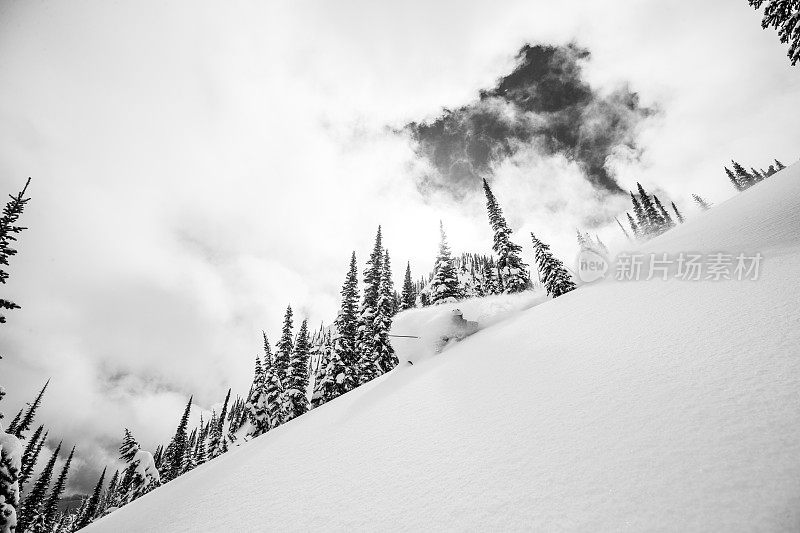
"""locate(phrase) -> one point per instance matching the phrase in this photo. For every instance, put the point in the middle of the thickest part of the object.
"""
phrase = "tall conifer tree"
(444, 286)
(367, 368)
(285, 346)
(298, 374)
(677, 213)
(555, 278)
(8, 234)
(409, 297)
(385, 358)
(512, 271)
(30, 455)
(19, 429)
(173, 461)
(51, 506)
(90, 511)
(34, 502)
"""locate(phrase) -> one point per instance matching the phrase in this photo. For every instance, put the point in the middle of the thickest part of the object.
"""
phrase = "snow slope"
(623, 406)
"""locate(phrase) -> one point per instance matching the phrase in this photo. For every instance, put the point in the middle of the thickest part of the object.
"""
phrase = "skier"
(460, 329)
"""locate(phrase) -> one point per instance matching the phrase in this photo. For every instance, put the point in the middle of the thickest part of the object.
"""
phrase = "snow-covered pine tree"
(10, 465)
(677, 213)
(702, 202)
(90, 512)
(217, 443)
(32, 505)
(779, 165)
(297, 382)
(285, 346)
(756, 174)
(491, 280)
(637, 233)
(267, 351)
(555, 277)
(511, 270)
(110, 500)
(8, 234)
(277, 402)
(783, 16)
(745, 178)
(444, 287)
(256, 406)
(642, 223)
(388, 291)
(140, 475)
(667, 220)
(367, 369)
(409, 297)
(385, 358)
(173, 459)
(30, 455)
(50, 510)
(734, 180)
(323, 352)
(655, 221)
(18, 429)
(341, 372)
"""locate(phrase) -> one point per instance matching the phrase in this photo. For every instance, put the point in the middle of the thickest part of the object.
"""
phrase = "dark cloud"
(544, 102)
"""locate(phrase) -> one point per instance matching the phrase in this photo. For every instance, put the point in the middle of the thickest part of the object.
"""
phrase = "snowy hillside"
(643, 405)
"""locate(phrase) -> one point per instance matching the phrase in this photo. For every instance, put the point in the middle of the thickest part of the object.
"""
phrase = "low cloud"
(544, 103)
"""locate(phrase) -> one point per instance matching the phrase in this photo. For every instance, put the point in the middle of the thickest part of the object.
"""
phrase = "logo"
(591, 266)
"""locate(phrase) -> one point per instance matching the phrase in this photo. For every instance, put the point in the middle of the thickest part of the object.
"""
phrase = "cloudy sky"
(199, 165)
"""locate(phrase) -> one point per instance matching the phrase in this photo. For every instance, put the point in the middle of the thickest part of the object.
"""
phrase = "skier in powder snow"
(459, 330)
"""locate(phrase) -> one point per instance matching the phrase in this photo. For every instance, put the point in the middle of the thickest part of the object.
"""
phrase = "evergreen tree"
(677, 213)
(783, 16)
(512, 271)
(267, 351)
(90, 512)
(256, 405)
(51, 506)
(8, 234)
(743, 177)
(667, 220)
(19, 429)
(756, 174)
(555, 278)
(444, 286)
(111, 497)
(140, 475)
(217, 444)
(341, 372)
(30, 455)
(297, 383)
(323, 352)
(634, 228)
(32, 506)
(704, 205)
(173, 460)
(369, 310)
(779, 165)
(385, 358)
(388, 291)
(734, 180)
(642, 223)
(655, 223)
(409, 297)
(277, 401)
(285, 346)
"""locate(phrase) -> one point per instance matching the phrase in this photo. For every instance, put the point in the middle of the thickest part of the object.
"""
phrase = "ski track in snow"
(622, 406)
